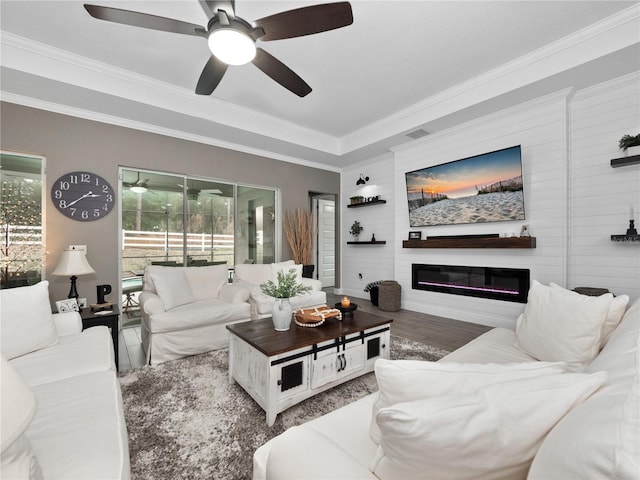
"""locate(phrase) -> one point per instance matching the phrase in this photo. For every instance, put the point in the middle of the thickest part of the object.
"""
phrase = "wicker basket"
(389, 296)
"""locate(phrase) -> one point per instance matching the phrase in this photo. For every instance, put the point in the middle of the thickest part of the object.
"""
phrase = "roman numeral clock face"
(83, 196)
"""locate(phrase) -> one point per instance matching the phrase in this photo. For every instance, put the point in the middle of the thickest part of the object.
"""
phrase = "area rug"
(185, 420)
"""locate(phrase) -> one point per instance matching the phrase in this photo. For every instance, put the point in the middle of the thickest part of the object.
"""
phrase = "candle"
(345, 302)
(631, 212)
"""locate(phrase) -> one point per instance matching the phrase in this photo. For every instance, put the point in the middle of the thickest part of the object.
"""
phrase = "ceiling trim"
(150, 128)
(611, 34)
(22, 54)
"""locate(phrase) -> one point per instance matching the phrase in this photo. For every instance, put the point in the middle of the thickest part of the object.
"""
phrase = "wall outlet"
(79, 247)
(82, 302)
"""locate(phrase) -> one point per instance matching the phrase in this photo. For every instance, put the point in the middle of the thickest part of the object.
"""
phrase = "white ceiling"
(402, 65)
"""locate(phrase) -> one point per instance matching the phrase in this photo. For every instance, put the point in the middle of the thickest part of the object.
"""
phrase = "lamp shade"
(73, 262)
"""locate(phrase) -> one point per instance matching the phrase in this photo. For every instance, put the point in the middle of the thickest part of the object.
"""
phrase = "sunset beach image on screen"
(482, 188)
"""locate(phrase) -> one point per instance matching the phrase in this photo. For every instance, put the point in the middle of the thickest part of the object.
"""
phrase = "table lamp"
(73, 263)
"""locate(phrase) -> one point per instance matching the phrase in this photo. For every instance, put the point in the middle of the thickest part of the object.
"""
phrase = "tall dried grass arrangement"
(298, 228)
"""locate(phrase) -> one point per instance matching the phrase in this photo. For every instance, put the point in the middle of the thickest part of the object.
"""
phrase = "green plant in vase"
(286, 288)
(356, 229)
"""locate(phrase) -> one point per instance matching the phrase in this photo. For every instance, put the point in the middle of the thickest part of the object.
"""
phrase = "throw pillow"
(557, 327)
(408, 380)
(172, 287)
(493, 433)
(26, 320)
(206, 282)
(614, 315)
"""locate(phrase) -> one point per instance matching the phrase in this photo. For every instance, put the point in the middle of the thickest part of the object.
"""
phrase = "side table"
(111, 320)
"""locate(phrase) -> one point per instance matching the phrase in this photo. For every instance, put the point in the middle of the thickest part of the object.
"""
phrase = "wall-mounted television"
(483, 188)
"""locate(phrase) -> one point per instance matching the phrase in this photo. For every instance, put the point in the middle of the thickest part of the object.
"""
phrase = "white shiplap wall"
(600, 196)
(574, 201)
(374, 262)
(540, 128)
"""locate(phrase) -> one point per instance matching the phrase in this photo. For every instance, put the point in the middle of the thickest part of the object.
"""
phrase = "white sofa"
(449, 432)
(185, 310)
(62, 414)
(252, 275)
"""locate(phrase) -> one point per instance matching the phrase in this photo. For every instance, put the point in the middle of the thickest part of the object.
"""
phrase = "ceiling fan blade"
(306, 21)
(144, 20)
(279, 72)
(211, 75)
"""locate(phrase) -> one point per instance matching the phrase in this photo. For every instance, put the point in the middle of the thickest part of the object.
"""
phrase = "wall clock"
(83, 196)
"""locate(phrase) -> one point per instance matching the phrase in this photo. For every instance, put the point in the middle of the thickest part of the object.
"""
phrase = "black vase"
(307, 271)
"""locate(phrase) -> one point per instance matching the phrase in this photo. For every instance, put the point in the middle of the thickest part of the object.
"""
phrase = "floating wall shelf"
(377, 242)
(471, 242)
(626, 238)
(366, 204)
(624, 161)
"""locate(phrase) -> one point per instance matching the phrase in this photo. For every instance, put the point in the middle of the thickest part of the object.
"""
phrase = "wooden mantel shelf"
(466, 242)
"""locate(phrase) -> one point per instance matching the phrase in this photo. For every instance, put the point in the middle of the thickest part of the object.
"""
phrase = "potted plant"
(356, 229)
(630, 144)
(286, 288)
(298, 228)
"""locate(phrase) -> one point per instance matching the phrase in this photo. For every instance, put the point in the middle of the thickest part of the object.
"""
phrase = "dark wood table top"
(261, 335)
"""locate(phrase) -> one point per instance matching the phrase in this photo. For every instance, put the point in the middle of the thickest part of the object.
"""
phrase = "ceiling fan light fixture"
(138, 189)
(232, 46)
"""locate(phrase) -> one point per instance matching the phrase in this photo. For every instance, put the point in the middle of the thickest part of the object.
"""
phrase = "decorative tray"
(347, 310)
(314, 317)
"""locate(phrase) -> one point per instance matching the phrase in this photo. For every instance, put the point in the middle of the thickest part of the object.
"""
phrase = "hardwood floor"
(440, 332)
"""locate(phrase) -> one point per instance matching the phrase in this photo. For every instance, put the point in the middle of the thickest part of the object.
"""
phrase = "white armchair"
(252, 275)
(185, 310)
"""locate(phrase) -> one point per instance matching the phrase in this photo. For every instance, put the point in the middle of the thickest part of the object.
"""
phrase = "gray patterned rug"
(185, 420)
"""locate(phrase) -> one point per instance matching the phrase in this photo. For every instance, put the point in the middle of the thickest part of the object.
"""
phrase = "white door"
(326, 242)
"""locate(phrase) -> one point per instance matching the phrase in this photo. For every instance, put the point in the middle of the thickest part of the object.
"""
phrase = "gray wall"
(71, 143)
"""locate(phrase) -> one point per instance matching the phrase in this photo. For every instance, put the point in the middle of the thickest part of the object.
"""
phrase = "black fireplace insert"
(509, 284)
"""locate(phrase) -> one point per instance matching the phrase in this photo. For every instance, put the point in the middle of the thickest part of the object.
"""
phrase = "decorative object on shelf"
(101, 291)
(356, 229)
(362, 180)
(286, 288)
(347, 311)
(360, 201)
(373, 237)
(630, 144)
(298, 228)
(415, 235)
(83, 196)
(632, 229)
(73, 263)
(68, 305)
(524, 231)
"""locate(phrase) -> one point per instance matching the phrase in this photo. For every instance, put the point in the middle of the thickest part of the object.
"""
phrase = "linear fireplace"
(510, 284)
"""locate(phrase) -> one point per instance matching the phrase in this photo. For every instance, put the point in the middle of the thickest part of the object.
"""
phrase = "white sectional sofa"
(252, 275)
(185, 310)
(474, 414)
(62, 414)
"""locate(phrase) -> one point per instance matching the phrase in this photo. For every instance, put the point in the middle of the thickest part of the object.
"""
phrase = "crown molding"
(147, 127)
(43, 60)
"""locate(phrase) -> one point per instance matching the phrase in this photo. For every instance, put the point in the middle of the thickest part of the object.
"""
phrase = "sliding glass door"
(176, 220)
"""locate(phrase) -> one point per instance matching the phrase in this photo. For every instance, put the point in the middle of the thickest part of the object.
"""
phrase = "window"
(21, 208)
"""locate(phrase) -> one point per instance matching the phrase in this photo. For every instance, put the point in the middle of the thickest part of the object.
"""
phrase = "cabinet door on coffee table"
(334, 363)
(292, 377)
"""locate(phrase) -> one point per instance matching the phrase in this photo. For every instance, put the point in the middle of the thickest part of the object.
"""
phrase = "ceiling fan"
(139, 186)
(232, 39)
